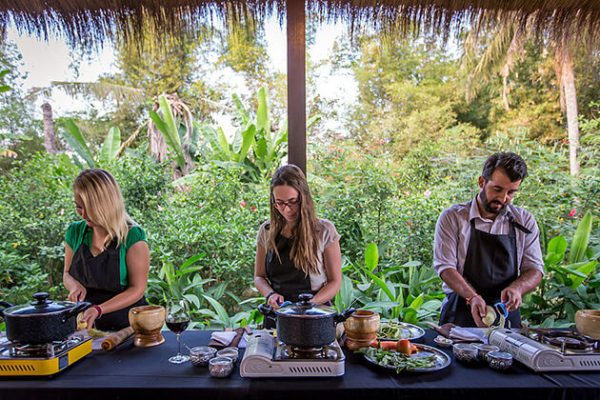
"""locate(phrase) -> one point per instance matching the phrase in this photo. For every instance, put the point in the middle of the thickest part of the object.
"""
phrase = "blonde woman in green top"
(106, 255)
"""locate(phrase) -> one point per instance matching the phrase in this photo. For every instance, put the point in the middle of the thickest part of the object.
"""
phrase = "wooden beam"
(296, 79)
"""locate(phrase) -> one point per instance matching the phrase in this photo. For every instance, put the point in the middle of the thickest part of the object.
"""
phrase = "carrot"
(414, 348)
(386, 345)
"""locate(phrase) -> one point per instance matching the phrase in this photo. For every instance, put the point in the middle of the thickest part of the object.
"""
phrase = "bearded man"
(487, 250)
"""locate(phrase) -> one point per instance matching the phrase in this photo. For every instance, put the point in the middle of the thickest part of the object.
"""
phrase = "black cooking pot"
(42, 321)
(304, 324)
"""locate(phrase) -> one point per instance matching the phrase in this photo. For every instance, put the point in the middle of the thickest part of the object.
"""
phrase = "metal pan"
(408, 331)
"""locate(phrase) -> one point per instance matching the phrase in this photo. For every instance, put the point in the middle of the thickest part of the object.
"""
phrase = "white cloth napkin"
(225, 338)
(469, 334)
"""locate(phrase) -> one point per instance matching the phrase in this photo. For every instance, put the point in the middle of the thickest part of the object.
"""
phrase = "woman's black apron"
(490, 266)
(101, 278)
(284, 277)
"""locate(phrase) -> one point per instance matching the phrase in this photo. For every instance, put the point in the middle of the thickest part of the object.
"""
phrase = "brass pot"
(358, 344)
(588, 323)
(362, 325)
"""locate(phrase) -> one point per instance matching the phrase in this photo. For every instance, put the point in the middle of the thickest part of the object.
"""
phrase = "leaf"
(418, 302)
(75, 139)
(584, 270)
(262, 113)
(110, 147)
(382, 285)
(220, 310)
(192, 298)
(371, 256)
(344, 297)
(581, 239)
(192, 260)
(247, 142)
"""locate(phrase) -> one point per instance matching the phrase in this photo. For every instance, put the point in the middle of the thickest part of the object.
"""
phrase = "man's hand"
(512, 298)
(478, 310)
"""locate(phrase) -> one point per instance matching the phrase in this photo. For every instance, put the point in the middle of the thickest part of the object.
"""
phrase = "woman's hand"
(89, 317)
(76, 290)
(275, 300)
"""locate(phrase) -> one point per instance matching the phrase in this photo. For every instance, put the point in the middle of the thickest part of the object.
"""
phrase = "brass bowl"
(147, 321)
(588, 323)
(362, 325)
(358, 344)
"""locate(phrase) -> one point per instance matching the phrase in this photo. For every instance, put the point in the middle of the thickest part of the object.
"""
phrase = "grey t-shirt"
(453, 230)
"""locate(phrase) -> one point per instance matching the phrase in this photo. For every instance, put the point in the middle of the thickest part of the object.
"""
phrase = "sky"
(49, 61)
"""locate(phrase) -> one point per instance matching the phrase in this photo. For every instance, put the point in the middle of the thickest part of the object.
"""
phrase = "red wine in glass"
(177, 321)
(177, 325)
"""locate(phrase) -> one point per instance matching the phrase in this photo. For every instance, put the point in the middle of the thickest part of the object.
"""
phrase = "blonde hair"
(305, 234)
(103, 202)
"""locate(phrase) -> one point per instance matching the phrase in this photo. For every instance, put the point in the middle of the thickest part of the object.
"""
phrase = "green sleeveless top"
(78, 233)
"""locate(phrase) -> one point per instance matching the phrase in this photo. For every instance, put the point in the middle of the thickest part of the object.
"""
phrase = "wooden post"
(296, 79)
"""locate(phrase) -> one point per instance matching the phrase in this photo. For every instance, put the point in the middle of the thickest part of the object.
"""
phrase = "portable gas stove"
(549, 350)
(42, 359)
(266, 356)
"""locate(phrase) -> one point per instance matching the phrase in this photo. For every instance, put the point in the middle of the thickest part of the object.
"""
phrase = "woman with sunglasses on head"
(296, 252)
(106, 255)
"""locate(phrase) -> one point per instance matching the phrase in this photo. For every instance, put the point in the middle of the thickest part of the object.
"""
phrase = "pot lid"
(42, 305)
(304, 308)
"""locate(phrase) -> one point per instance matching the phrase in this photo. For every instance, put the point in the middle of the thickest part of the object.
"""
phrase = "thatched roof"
(91, 22)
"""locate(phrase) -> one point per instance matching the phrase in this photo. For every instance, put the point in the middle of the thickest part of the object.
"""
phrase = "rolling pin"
(115, 339)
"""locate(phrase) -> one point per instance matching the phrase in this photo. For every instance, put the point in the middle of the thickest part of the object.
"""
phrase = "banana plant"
(168, 125)
(393, 296)
(255, 148)
(109, 149)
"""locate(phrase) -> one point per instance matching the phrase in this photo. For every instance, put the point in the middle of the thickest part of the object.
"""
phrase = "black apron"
(101, 278)
(490, 266)
(284, 277)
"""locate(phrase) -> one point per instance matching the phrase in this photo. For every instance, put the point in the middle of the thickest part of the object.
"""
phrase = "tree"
(505, 47)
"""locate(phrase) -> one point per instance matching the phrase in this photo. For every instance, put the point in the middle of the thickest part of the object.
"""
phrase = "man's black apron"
(490, 266)
(101, 278)
(284, 277)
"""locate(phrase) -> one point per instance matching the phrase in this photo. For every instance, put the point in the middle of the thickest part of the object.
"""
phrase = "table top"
(130, 372)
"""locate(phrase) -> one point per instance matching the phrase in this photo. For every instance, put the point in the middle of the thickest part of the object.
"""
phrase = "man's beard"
(487, 205)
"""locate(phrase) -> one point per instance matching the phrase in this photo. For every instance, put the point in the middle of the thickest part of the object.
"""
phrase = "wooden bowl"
(588, 323)
(147, 321)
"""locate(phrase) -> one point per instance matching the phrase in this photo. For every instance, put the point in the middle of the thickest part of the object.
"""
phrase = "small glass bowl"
(443, 341)
(484, 349)
(465, 352)
(220, 367)
(201, 355)
(499, 360)
(231, 352)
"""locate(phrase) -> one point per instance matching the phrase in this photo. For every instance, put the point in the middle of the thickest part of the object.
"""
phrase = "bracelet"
(98, 309)
(271, 293)
(469, 299)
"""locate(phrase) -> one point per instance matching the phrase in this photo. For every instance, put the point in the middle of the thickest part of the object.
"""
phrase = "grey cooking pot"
(304, 324)
(42, 321)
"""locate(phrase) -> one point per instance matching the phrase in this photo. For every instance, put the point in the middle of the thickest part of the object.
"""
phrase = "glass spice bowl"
(220, 367)
(231, 352)
(499, 360)
(484, 349)
(465, 352)
(201, 355)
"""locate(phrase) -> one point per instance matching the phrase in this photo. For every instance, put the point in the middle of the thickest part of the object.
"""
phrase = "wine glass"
(177, 321)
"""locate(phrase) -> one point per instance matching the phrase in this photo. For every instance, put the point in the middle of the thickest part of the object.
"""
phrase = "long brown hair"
(103, 202)
(305, 234)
